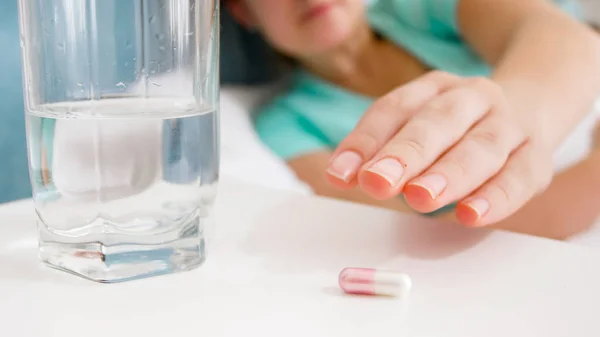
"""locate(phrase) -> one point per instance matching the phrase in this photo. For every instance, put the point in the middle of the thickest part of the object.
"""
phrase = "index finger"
(381, 122)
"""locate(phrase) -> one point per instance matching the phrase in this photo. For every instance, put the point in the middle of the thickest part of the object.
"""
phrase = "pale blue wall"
(14, 174)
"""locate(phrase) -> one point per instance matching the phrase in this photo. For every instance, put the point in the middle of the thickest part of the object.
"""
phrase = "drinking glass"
(121, 100)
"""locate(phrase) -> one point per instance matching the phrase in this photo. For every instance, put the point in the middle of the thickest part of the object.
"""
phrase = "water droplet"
(189, 33)
(152, 62)
(161, 48)
(152, 18)
(126, 64)
(155, 84)
(46, 32)
(121, 85)
(22, 41)
(52, 21)
(193, 6)
(61, 46)
(169, 70)
(160, 36)
(128, 44)
(80, 84)
(134, 59)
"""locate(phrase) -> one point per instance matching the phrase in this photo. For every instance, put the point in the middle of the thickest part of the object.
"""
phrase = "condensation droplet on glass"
(193, 6)
(160, 36)
(80, 84)
(169, 70)
(128, 44)
(152, 18)
(126, 64)
(61, 46)
(134, 59)
(121, 85)
(161, 48)
(189, 33)
(155, 84)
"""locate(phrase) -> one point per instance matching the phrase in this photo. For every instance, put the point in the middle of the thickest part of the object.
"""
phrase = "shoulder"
(438, 17)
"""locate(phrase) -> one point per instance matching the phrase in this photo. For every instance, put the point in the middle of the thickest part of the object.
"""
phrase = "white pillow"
(243, 155)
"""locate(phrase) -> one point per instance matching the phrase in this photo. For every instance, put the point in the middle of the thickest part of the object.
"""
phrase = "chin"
(327, 40)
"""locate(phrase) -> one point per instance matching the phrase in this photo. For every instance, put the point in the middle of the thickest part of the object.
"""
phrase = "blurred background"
(247, 70)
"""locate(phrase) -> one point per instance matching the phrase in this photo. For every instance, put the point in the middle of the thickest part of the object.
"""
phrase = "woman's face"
(301, 28)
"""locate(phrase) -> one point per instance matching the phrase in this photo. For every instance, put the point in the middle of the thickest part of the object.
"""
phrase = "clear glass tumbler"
(121, 102)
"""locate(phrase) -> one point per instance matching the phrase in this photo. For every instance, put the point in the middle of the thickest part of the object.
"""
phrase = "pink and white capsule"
(367, 281)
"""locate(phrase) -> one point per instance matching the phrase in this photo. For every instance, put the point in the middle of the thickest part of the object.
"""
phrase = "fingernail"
(389, 169)
(434, 183)
(479, 205)
(345, 166)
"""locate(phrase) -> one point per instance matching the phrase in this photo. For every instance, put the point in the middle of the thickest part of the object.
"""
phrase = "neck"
(346, 60)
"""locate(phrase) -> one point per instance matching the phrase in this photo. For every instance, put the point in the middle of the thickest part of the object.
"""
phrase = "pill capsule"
(367, 281)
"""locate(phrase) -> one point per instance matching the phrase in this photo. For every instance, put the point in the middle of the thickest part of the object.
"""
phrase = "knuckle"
(391, 104)
(415, 146)
(491, 88)
(486, 137)
(384, 105)
(489, 142)
(516, 182)
(410, 151)
(438, 108)
(456, 167)
(504, 188)
(441, 74)
(479, 81)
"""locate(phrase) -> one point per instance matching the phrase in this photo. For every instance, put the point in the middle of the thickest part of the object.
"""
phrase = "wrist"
(545, 124)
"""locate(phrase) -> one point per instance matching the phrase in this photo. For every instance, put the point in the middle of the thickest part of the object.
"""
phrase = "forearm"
(548, 71)
(570, 205)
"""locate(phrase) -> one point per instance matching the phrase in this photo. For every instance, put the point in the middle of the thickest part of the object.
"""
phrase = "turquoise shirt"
(315, 115)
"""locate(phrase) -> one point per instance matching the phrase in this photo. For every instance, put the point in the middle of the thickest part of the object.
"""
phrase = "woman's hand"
(443, 139)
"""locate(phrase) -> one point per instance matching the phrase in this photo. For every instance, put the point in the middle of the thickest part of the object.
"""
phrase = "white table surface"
(273, 272)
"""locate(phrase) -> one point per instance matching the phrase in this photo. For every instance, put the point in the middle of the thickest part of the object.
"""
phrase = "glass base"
(112, 258)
